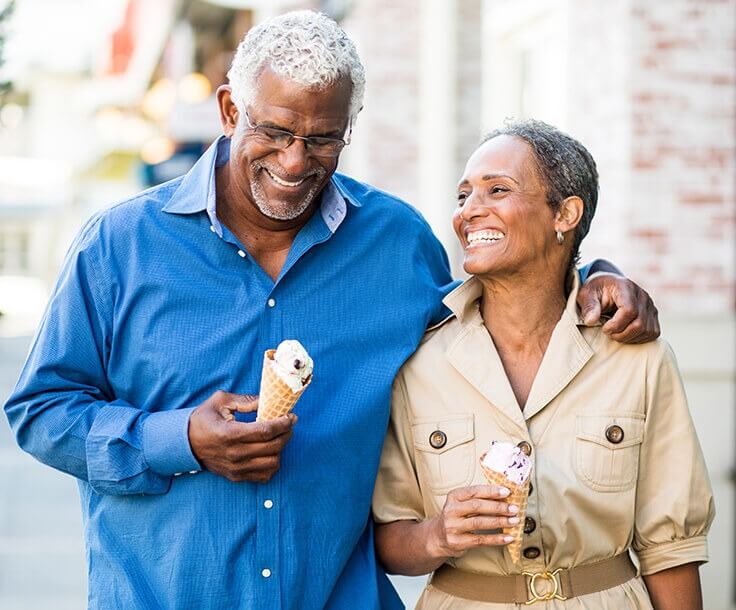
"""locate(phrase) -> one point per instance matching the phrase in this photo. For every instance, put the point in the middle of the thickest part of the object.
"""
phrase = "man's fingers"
(590, 309)
(227, 403)
(245, 403)
(624, 316)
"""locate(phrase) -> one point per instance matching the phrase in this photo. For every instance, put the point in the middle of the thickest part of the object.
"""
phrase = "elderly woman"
(617, 468)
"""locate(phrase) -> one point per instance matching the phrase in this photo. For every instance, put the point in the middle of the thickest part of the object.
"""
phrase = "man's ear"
(569, 214)
(229, 112)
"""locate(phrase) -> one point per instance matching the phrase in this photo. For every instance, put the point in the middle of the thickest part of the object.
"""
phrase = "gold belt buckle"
(553, 578)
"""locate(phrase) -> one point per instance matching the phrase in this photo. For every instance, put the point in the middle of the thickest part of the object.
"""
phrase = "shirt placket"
(269, 498)
(268, 542)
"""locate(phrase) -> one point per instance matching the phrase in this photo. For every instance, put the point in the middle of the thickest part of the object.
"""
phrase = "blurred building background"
(111, 97)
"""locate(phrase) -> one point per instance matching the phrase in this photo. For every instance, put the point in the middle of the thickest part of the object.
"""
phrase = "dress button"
(241, 254)
(268, 504)
(438, 439)
(271, 302)
(265, 572)
(615, 434)
(525, 447)
(532, 552)
(529, 525)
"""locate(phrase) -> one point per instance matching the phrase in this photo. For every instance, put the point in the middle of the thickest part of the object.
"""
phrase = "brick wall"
(385, 143)
(657, 110)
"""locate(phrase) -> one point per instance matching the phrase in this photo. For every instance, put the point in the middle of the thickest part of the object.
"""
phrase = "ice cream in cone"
(506, 465)
(287, 371)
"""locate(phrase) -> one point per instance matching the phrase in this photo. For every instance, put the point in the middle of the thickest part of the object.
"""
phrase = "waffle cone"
(520, 496)
(276, 397)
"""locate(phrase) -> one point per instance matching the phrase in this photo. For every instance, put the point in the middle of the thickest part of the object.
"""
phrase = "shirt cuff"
(166, 442)
(673, 554)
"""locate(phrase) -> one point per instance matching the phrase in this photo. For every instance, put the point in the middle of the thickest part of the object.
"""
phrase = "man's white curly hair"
(306, 47)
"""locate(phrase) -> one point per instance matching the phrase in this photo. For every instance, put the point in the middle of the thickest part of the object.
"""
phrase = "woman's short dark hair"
(566, 167)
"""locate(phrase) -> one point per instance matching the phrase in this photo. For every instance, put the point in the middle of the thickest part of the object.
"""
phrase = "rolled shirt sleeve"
(397, 495)
(674, 500)
(63, 411)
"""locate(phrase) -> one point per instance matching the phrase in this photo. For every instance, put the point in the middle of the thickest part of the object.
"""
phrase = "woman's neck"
(520, 313)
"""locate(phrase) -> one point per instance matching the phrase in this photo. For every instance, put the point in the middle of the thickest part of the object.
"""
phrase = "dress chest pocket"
(445, 451)
(607, 450)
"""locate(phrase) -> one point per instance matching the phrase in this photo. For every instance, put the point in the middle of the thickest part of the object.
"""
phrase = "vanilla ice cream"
(292, 364)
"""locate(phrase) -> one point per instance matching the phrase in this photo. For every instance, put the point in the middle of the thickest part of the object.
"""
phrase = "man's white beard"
(280, 212)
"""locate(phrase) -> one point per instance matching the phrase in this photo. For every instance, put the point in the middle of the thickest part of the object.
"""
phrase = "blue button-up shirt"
(158, 306)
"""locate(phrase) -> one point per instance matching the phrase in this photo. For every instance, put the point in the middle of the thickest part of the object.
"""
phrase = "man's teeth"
(485, 237)
(283, 182)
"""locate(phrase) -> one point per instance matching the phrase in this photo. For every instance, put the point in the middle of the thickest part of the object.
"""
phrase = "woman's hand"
(467, 518)
(419, 547)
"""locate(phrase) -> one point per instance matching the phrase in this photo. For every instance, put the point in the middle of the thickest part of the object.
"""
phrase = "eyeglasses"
(280, 139)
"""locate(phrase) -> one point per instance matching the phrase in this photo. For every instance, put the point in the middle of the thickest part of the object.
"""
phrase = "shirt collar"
(464, 300)
(187, 199)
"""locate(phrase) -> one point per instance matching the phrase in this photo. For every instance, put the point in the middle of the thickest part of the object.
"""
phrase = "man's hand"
(634, 316)
(237, 450)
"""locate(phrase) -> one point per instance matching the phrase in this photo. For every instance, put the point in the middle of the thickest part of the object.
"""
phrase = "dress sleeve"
(674, 500)
(64, 411)
(397, 495)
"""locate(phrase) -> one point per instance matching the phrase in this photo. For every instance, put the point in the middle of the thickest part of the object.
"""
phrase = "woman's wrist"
(434, 546)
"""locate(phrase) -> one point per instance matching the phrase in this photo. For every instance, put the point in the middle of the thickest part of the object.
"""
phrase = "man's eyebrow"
(334, 133)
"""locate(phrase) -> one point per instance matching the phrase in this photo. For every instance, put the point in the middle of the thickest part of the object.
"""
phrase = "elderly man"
(144, 367)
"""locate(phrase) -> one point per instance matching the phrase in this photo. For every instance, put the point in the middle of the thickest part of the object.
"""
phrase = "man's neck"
(267, 240)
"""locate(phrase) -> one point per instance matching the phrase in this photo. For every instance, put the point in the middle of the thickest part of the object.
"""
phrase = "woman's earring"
(560, 237)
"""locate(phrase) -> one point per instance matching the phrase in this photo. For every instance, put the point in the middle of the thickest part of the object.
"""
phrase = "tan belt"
(531, 587)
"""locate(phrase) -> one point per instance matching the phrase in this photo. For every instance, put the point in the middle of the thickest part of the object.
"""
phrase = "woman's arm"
(412, 548)
(676, 589)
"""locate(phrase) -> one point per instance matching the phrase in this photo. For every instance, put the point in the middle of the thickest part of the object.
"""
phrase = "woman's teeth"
(484, 237)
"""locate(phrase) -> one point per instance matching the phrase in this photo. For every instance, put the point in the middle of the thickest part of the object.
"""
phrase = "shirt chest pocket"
(607, 450)
(445, 451)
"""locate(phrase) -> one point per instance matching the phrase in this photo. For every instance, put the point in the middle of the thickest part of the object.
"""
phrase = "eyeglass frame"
(308, 140)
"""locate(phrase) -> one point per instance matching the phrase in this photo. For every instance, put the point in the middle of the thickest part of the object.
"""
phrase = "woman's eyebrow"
(488, 177)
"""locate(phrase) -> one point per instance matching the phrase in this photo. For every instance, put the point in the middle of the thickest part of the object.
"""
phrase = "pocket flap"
(458, 429)
(594, 427)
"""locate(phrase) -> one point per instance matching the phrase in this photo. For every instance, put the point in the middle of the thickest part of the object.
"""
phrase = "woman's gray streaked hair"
(566, 167)
(306, 47)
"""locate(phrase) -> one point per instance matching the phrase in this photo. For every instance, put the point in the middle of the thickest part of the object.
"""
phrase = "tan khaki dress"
(592, 499)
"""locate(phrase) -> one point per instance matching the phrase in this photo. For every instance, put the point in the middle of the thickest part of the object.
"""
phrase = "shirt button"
(529, 525)
(265, 572)
(438, 439)
(525, 447)
(615, 434)
(212, 228)
(532, 552)
(271, 302)
(268, 504)
(241, 254)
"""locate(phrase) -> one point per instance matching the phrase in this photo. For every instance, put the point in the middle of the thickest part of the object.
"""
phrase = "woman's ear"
(228, 109)
(569, 214)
